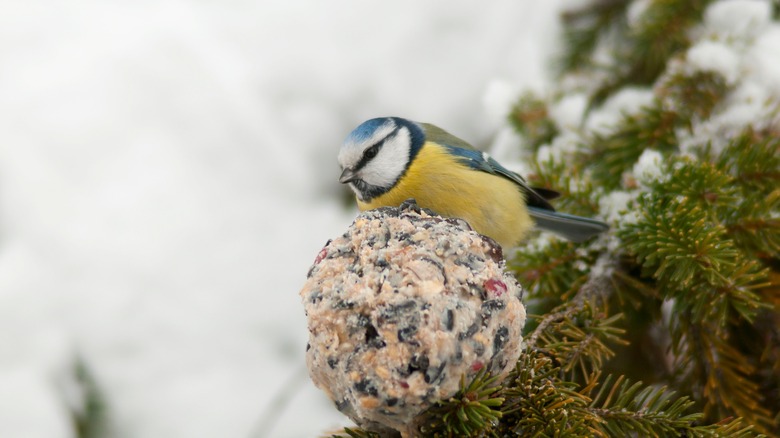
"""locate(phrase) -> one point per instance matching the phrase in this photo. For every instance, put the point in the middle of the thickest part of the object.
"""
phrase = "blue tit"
(388, 160)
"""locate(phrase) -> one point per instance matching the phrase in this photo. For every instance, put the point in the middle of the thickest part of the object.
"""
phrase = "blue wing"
(574, 228)
(481, 161)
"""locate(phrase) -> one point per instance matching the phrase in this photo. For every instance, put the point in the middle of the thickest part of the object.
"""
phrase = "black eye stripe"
(368, 156)
(372, 151)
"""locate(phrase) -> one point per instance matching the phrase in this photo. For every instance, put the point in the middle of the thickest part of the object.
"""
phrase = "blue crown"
(366, 129)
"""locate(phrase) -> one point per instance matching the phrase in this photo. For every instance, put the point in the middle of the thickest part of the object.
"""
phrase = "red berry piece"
(476, 366)
(321, 256)
(496, 288)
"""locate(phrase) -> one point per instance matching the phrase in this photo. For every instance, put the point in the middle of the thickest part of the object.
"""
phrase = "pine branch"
(585, 27)
(577, 191)
(580, 341)
(692, 96)
(705, 186)
(681, 100)
(614, 153)
(540, 404)
(694, 282)
(707, 241)
(760, 342)
(691, 257)
(550, 272)
(721, 374)
(662, 32)
(578, 331)
(90, 419)
(753, 159)
(629, 409)
(633, 289)
(356, 433)
(471, 412)
(530, 119)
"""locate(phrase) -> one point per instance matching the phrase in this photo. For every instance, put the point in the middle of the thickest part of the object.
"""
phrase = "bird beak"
(347, 175)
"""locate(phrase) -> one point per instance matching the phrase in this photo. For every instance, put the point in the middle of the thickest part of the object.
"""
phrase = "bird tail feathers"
(574, 228)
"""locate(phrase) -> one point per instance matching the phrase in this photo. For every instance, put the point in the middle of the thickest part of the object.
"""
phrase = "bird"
(388, 160)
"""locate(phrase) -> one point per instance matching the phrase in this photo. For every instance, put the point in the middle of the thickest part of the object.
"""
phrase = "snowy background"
(168, 174)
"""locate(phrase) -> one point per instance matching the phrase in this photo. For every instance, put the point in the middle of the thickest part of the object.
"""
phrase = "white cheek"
(385, 169)
(348, 157)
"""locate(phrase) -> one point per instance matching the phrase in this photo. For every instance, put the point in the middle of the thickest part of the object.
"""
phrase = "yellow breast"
(491, 204)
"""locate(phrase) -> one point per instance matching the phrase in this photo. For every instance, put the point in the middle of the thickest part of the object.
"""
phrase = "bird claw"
(410, 204)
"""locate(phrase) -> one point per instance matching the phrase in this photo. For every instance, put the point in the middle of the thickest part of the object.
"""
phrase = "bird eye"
(371, 152)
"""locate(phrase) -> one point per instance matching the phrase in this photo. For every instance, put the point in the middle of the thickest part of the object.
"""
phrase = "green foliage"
(537, 400)
(581, 342)
(585, 27)
(692, 258)
(626, 409)
(550, 272)
(753, 160)
(694, 269)
(644, 47)
(89, 419)
(529, 117)
(614, 153)
(700, 92)
(472, 411)
(683, 293)
(635, 408)
(662, 31)
(714, 370)
(539, 403)
(687, 241)
(577, 192)
(350, 432)
(681, 99)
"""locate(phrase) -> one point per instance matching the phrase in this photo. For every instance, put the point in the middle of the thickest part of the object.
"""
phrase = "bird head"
(377, 153)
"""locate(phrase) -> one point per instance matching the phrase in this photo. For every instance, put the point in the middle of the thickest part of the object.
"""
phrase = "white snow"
(748, 104)
(635, 11)
(711, 56)
(649, 168)
(569, 112)
(540, 242)
(737, 20)
(168, 174)
(628, 100)
(603, 267)
(562, 145)
(763, 59)
(742, 44)
(614, 206)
